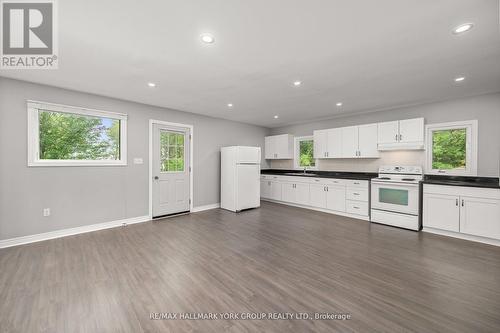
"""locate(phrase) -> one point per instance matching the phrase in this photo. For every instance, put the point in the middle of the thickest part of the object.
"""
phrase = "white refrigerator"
(240, 178)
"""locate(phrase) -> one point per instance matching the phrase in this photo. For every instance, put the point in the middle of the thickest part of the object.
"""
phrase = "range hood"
(401, 146)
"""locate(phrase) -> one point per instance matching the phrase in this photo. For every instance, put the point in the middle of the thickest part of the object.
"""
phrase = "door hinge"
(189, 169)
(189, 201)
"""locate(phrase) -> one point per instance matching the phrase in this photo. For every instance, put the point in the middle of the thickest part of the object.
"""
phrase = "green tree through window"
(67, 136)
(306, 153)
(449, 149)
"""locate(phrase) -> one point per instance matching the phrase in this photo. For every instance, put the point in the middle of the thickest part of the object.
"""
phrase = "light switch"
(138, 160)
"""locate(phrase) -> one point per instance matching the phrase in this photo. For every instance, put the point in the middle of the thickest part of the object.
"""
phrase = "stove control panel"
(408, 170)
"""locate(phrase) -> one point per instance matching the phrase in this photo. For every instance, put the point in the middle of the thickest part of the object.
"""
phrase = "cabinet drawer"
(330, 181)
(357, 183)
(357, 207)
(358, 194)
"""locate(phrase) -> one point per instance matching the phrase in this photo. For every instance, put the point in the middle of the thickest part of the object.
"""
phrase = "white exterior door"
(411, 130)
(480, 216)
(441, 211)
(170, 170)
(334, 142)
(349, 141)
(367, 141)
(388, 132)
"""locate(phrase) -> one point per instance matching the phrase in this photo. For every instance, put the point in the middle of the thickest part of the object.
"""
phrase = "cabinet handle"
(400, 137)
(356, 193)
(327, 188)
(456, 202)
(326, 154)
(396, 137)
(356, 183)
(463, 202)
(355, 207)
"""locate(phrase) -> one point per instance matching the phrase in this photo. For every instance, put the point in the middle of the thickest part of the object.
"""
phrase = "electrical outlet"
(46, 212)
(138, 160)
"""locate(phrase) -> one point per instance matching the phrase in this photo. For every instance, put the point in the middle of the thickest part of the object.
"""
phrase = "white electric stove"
(395, 196)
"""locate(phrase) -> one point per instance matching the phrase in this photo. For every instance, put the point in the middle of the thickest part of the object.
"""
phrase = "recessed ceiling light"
(207, 38)
(460, 79)
(230, 105)
(463, 28)
(151, 84)
(297, 83)
(339, 104)
(276, 117)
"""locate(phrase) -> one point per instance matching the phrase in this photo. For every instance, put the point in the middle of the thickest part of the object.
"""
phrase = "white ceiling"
(367, 54)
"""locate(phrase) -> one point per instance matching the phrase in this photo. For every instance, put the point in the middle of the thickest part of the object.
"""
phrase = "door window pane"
(449, 149)
(393, 196)
(171, 151)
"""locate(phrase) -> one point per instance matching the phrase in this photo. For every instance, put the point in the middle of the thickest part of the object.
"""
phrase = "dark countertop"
(322, 174)
(485, 182)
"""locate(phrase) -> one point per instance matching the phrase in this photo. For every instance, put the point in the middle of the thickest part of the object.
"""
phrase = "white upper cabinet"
(411, 131)
(360, 141)
(334, 143)
(320, 143)
(367, 141)
(401, 134)
(388, 132)
(350, 141)
(328, 143)
(346, 142)
(279, 147)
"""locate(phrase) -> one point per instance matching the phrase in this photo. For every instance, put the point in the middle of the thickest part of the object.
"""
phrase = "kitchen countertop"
(321, 174)
(484, 182)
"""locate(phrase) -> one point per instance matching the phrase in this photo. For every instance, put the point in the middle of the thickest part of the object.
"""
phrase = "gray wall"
(484, 108)
(80, 196)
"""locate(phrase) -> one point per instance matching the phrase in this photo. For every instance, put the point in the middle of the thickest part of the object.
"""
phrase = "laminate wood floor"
(274, 259)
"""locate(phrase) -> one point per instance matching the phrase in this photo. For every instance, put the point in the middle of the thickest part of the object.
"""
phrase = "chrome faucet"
(305, 168)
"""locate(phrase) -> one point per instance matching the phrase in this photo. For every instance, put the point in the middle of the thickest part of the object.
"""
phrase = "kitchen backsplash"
(362, 165)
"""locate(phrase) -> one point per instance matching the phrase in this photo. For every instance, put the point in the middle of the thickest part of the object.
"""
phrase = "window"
(304, 153)
(69, 136)
(452, 148)
(171, 151)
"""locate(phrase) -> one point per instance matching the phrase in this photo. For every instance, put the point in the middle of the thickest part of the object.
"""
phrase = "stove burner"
(408, 179)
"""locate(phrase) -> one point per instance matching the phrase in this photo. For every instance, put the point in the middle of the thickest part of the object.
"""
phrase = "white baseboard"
(206, 207)
(71, 231)
(484, 240)
(334, 212)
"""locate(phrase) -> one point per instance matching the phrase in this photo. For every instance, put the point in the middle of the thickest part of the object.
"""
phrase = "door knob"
(156, 177)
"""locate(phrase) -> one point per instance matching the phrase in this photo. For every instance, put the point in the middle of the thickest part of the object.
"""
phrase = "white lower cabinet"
(480, 217)
(465, 210)
(317, 195)
(335, 198)
(340, 196)
(297, 193)
(441, 211)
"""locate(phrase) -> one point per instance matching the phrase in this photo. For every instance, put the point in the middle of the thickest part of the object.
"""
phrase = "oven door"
(395, 197)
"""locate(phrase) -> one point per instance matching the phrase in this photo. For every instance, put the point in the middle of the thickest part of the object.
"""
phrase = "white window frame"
(470, 147)
(296, 154)
(34, 108)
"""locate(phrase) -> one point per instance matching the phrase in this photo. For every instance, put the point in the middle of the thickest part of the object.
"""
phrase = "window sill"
(76, 163)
